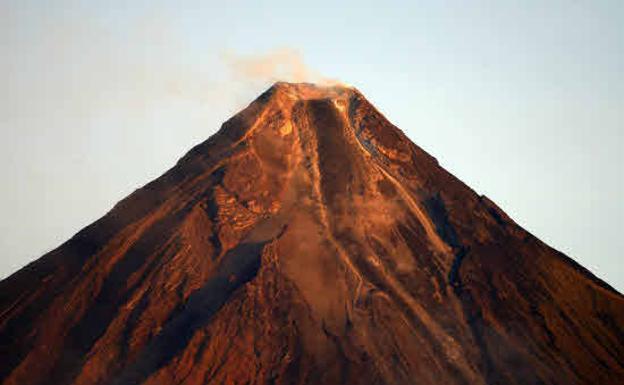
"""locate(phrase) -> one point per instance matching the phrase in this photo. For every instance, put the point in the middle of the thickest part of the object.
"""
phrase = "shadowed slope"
(308, 242)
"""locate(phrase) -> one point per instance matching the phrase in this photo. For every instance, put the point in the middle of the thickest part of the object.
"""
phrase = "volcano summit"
(309, 241)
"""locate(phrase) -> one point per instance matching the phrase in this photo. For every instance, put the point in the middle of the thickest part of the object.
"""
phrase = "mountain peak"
(289, 94)
(308, 91)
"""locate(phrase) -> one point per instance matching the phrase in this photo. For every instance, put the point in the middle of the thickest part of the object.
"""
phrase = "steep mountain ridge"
(308, 242)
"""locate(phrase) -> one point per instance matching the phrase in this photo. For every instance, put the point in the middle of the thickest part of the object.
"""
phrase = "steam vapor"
(282, 64)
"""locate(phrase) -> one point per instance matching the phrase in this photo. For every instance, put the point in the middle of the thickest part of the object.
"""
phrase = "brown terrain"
(308, 242)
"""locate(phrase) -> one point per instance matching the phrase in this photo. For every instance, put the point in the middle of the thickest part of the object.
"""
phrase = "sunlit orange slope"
(308, 242)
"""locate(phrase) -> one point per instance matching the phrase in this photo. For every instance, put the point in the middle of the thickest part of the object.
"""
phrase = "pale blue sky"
(522, 100)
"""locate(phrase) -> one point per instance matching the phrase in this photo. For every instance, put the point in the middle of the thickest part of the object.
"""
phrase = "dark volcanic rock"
(308, 242)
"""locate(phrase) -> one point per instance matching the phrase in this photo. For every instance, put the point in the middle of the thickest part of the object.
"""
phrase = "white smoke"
(280, 64)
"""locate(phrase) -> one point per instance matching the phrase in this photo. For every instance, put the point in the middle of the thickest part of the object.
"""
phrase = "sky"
(522, 100)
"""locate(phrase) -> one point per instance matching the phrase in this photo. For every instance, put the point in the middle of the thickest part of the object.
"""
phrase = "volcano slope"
(308, 242)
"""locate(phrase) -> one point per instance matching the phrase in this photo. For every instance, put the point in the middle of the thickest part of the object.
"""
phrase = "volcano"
(308, 241)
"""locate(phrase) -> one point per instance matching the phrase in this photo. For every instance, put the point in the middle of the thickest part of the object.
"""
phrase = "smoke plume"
(283, 64)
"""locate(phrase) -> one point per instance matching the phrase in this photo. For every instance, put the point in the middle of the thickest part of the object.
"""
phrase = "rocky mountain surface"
(309, 241)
